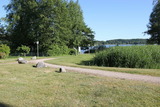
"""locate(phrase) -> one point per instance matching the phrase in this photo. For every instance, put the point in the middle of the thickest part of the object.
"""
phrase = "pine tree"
(80, 32)
(154, 25)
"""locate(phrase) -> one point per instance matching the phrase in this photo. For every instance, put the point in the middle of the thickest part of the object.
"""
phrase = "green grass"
(78, 61)
(25, 86)
(129, 57)
(14, 58)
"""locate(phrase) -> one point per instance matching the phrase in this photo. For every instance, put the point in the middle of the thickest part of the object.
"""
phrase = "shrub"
(55, 50)
(129, 56)
(72, 52)
(64, 49)
(4, 51)
(23, 50)
(2, 55)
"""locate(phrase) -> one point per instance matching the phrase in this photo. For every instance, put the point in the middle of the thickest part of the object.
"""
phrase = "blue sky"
(112, 19)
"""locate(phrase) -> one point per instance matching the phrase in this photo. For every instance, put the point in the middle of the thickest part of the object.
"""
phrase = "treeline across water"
(122, 41)
(127, 41)
(95, 49)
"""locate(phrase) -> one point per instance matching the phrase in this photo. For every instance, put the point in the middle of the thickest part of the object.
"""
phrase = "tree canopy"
(3, 34)
(154, 25)
(58, 22)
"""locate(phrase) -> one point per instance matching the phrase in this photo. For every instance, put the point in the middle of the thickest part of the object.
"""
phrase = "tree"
(51, 22)
(23, 50)
(30, 21)
(2, 33)
(154, 25)
(81, 34)
(4, 37)
(20, 19)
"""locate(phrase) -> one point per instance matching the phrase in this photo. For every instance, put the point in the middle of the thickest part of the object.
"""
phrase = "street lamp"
(89, 48)
(37, 42)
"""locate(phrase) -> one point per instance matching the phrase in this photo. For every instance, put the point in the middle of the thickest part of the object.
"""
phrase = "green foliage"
(3, 34)
(72, 52)
(48, 21)
(154, 25)
(2, 55)
(4, 51)
(56, 50)
(129, 56)
(85, 61)
(23, 50)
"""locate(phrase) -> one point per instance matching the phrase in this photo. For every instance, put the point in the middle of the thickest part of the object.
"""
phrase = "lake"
(110, 45)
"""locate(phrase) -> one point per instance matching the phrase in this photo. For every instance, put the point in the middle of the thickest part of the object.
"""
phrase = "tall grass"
(130, 56)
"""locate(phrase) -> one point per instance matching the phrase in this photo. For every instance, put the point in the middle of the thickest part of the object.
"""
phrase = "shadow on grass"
(4, 105)
(86, 63)
(34, 66)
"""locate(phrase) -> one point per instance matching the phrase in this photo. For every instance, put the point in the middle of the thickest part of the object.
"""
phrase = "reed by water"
(147, 56)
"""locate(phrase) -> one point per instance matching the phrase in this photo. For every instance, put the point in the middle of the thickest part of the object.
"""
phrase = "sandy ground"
(137, 77)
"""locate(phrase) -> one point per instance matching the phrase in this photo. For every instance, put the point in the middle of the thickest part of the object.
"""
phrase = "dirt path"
(144, 78)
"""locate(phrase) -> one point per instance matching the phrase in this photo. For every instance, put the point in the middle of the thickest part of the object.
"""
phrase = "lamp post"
(37, 42)
(89, 48)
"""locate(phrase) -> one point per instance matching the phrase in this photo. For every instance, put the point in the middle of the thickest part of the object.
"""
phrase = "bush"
(72, 52)
(4, 51)
(2, 55)
(129, 56)
(56, 50)
(23, 50)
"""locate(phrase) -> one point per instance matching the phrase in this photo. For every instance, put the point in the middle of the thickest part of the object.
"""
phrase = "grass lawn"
(77, 61)
(14, 58)
(11, 59)
(25, 86)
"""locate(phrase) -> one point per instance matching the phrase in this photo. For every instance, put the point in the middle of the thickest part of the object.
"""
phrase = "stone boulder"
(62, 70)
(22, 61)
(34, 58)
(20, 58)
(40, 65)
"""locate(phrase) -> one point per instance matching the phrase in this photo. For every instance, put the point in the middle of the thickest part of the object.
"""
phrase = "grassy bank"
(83, 60)
(23, 85)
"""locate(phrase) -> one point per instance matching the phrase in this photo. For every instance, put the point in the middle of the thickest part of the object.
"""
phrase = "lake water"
(111, 45)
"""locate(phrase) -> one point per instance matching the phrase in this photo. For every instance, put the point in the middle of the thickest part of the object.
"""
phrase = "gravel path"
(144, 78)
